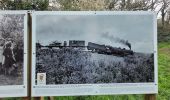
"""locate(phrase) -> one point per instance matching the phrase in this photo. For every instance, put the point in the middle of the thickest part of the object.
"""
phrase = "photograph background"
(73, 66)
(103, 29)
(12, 29)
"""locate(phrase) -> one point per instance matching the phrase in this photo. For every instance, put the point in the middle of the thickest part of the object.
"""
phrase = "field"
(74, 66)
(15, 78)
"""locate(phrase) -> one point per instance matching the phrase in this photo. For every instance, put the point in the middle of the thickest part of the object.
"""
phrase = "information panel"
(94, 53)
(13, 53)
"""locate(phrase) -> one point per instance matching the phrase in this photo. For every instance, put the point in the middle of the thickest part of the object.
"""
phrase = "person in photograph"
(2, 42)
(9, 59)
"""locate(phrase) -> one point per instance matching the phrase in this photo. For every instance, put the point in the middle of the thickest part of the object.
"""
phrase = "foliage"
(106, 4)
(24, 5)
(74, 66)
(68, 5)
(41, 4)
(132, 5)
(12, 26)
(163, 33)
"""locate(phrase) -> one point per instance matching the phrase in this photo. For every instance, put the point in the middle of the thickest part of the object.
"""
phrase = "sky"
(1, 16)
(102, 29)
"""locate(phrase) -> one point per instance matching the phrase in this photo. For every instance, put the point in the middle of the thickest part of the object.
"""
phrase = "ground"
(16, 78)
(10, 80)
(74, 66)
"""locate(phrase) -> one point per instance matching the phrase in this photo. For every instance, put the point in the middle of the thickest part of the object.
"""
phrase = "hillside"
(72, 66)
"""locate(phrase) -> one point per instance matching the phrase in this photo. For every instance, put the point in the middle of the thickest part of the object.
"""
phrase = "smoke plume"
(117, 40)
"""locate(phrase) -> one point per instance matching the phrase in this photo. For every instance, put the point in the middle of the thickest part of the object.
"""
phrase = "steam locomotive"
(93, 47)
(109, 50)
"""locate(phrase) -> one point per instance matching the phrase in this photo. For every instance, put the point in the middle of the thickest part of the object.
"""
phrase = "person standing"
(9, 59)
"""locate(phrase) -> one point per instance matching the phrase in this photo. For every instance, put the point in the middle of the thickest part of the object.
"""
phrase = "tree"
(5, 4)
(168, 16)
(83, 5)
(12, 26)
(91, 4)
(12, 29)
(24, 5)
(67, 5)
(132, 5)
(55, 43)
(164, 9)
(41, 4)
(54, 5)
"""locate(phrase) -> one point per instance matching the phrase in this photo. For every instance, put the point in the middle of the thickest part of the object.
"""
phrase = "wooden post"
(50, 98)
(29, 54)
(150, 96)
(29, 37)
(41, 98)
(26, 98)
(38, 98)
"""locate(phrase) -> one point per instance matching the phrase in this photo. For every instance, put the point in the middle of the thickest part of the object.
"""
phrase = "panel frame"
(93, 89)
(11, 89)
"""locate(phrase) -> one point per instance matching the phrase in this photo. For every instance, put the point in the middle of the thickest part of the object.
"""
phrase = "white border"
(17, 90)
(94, 89)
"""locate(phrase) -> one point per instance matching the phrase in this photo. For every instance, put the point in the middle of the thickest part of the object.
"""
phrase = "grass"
(164, 71)
(106, 97)
(97, 68)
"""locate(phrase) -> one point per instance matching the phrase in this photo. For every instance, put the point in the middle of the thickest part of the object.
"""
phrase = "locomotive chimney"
(65, 43)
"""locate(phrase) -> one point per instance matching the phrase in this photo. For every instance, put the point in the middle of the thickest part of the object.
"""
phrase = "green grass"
(164, 71)
(163, 75)
(107, 97)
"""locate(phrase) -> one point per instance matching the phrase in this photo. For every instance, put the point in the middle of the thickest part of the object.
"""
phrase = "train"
(76, 43)
(92, 47)
(109, 50)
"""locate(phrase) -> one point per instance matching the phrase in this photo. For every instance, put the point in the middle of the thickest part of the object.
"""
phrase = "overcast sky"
(103, 29)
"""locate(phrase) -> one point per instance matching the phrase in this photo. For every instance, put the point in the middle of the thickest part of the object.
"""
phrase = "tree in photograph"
(12, 29)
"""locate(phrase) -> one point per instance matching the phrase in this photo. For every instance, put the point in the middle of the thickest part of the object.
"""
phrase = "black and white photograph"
(12, 30)
(94, 48)
(79, 49)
